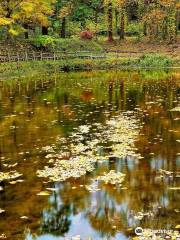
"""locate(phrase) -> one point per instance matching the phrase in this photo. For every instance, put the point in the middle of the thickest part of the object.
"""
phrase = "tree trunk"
(122, 25)
(165, 29)
(110, 23)
(116, 21)
(63, 28)
(26, 34)
(177, 22)
(145, 29)
(44, 30)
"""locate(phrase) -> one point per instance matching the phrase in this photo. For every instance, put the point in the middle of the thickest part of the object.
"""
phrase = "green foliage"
(155, 61)
(157, 19)
(78, 44)
(2, 33)
(69, 44)
(16, 70)
(16, 14)
(134, 28)
(44, 42)
(155, 75)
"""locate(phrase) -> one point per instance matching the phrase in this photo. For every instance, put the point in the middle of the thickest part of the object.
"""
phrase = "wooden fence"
(44, 56)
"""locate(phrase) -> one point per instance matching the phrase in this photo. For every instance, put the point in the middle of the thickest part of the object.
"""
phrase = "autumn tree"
(159, 17)
(177, 16)
(62, 10)
(16, 15)
(117, 8)
(109, 9)
(121, 6)
(86, 12)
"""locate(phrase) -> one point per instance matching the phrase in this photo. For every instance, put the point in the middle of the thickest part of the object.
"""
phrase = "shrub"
(155, 61)
(67, 44)
(44, 41)
(86, 35)
(134, 28)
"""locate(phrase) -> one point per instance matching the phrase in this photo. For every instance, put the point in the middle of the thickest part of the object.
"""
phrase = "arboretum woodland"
(157, 19)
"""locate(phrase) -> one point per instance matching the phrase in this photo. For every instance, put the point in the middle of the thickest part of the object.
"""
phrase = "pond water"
(44, 116)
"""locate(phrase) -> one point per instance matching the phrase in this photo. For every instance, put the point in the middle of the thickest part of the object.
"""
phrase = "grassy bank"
(15, 70)
(156, 55)
(20, 69)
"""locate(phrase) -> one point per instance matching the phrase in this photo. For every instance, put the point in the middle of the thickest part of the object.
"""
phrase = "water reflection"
(36, 113)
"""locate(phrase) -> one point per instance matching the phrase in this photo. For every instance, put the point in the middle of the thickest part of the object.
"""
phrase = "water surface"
(35, 113)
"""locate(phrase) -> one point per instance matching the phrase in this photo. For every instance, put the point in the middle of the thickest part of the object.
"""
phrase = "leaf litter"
(89, 144)
(112, 178)
(176, 109)
(8, 176)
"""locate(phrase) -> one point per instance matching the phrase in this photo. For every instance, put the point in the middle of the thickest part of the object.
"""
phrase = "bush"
(68, 44)
(86, 35)
(44, 41)
(155, 61)
(134, 28)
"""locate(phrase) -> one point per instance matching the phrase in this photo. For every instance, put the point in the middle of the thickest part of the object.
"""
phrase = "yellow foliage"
(120, 3)
(13, 32)
(25, 11)
(5, 21)
(42, 8)
(167, 3)
(65, 11)
(178, 5)
(156, 16)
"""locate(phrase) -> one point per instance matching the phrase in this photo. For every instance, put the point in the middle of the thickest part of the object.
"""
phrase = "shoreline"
(32, 68)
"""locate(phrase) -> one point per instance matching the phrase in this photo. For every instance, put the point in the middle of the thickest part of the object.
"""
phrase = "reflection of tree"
(104, 215)
(87, 95)
(144, 192)
(56, 219)
(66, 98)
(78, 199)
(134, 95)
(64, 204)
(110, 92)
(122, 95)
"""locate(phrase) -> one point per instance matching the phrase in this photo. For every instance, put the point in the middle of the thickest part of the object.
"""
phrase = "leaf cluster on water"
(88, 144)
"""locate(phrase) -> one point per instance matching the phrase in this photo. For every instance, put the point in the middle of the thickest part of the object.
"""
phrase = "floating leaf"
(174, 188)
(2, 210)
(112, 177)
(9, 175)
(176, 109)
(24, 217)
(43, 193)
(86, 148)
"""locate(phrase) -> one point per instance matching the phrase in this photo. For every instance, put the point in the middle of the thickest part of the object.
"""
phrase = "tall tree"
(18, 14)
(109, 9)
(64, 12)
(121, 6)
(63, 9)
(159, 17)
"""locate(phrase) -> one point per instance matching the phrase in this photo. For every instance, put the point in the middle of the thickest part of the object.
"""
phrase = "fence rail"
(42, 56)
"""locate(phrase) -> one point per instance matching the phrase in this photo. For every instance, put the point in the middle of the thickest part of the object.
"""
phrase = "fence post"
(117, 54)
(9, 58)
(18, 57)
(26, 56)
(34, 57)
(41, 56)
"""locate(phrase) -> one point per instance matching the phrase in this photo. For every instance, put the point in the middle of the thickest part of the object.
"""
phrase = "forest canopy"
(157, 19)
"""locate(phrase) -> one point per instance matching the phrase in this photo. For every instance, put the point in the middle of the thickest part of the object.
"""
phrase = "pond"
(61, 137)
